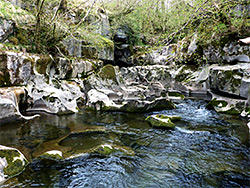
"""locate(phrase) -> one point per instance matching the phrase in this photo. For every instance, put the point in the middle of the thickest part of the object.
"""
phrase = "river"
(206, 149)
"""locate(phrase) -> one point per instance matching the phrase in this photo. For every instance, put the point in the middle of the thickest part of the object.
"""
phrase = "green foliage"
(156, 22)
(164, 22)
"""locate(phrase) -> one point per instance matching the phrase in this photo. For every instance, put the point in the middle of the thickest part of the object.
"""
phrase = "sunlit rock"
(44, 78)
(12, 162)
(114, 90)
(226, 105)
(108, 149)
(162, 121)
(10, 100)
(53, 155)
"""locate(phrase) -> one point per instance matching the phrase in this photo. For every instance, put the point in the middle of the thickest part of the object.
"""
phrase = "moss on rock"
(16, 161)
(162, 121)
(108, 149)
(108, 72)
(53, 155)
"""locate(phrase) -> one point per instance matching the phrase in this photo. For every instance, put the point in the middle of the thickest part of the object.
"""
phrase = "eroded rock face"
(231, 79)
(12, 162)
(7, 28)
(112, 89)
(44, 77)
(78, 48)
(10, 100)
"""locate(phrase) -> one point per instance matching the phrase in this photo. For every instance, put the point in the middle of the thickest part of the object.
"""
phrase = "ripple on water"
(200, 152)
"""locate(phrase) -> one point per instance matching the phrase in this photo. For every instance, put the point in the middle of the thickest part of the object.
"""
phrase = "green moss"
(42, 64)
(108, 72)
(15, 166)
(232, 111)
(172, 118)
(51, 156)
(176, 94)
(163, 122)
(108, 149)
(14, 40)
(216, 103)
(105, 150)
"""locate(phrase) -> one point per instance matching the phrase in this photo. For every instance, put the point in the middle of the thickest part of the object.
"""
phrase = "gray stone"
(79, 48)
(7, 28)
(10, 99)
(12, 162)
(136, 89)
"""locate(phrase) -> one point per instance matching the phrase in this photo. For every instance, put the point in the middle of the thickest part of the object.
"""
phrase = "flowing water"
(205, 149)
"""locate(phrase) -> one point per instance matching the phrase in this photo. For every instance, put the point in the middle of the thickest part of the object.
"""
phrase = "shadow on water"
(205, 150)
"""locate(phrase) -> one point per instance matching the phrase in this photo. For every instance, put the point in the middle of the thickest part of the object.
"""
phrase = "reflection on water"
(205, 150)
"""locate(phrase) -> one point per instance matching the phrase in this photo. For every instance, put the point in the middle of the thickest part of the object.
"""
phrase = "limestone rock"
(10, 100)
(44, 78)
(53, 155)
(231, 79)
(7, 28)
(108, 149)
(162, 121)
(115, 90)
(79, 48)
(226, 105)
(12, 162)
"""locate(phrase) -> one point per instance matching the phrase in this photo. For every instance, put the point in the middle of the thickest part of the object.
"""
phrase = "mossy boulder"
(53, 155)
(227, 105)
(162, 121)
(12, 162)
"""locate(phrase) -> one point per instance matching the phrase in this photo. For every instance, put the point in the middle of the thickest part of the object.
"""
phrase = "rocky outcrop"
(228, 86)
(111, 90)
(123, 49)
(80, 48)
(10, 100)
(228, 51)
(7, 28)
(45, 80)
(232, 79)
(12, 162)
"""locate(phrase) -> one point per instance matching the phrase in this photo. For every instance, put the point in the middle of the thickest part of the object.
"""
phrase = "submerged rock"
(162, 121)
(12, 162)
(108, 149)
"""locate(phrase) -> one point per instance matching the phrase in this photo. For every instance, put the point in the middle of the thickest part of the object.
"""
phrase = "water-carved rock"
(162, 121)
(12, 162)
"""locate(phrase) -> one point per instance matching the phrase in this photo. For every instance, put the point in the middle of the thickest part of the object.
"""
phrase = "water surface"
(205, 150)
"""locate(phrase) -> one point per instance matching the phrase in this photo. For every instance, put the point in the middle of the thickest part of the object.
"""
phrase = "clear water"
(205, 150)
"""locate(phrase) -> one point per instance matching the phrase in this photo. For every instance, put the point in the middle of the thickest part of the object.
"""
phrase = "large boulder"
(12, 162)
(162, 121)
